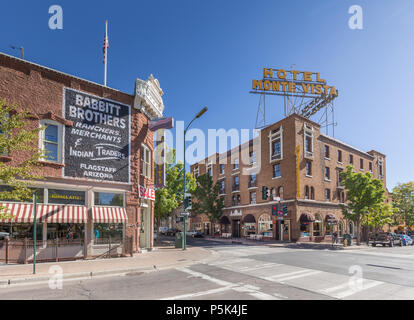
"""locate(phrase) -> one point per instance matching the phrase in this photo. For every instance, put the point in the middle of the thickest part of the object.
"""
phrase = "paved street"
(253, 272)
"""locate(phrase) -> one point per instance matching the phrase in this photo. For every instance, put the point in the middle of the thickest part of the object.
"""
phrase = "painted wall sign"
(146, 193)
(56, 196)
(97, 147)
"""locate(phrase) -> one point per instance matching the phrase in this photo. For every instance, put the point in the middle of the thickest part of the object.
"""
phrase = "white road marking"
(271, 278)
(350, 292)
(310, 273)
(198, 294)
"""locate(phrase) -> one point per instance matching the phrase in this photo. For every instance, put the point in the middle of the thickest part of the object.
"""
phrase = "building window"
(108, 199)
(327, 195)
(339, 177)
(210, 169)
(222, 187)
(370, 166)
(233, 201)
(327, 174)
(351, 159)
(308, 141)
(380, 168)
(327, 152)
(146, 161)
(221, 168)
(361, 164)
(306, 192)
(276, 171)
(236, 183)
(252, 197)
(252, 156)
(196, 172)
(236, 164)
(252, 181)
(280, 192)
(340, 156)
(238, 200)
(308, 165)
(276, 144)
(312, 193)
(51, 141)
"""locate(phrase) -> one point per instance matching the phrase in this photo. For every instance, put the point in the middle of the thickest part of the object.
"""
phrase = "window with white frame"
(210, 169)
(196, 172)
(381, 168)
(252, 197)
(221, 168)
(327, 174)
(146, 161)
(236, 164)
(252, 157)
(51, 140)
(308, 166)
(276, 144)
(308, 140)
(276, 171)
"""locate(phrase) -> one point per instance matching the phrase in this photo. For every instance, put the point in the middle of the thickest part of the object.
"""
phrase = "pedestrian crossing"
(333, 285)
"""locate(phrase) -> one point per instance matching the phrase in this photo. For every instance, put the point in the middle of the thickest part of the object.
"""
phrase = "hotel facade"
(300, 166)
(98, 172)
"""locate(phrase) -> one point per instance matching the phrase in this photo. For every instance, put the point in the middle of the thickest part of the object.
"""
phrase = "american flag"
(105, 47)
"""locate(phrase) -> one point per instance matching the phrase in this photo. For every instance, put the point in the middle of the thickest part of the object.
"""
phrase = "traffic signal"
(274, 210)
(284, 209)
(187, 201)
(265, 194)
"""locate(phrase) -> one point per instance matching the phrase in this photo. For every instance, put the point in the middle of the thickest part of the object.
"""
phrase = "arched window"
(306, 192)
(317, 226)
(351, 228)
(265, 225)
(312, 193)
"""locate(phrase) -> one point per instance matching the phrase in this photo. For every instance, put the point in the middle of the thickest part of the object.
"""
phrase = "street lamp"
(21, 50)
(198, 115)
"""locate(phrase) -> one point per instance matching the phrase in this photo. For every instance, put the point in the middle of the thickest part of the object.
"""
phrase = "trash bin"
(179, 240)
(347, 240)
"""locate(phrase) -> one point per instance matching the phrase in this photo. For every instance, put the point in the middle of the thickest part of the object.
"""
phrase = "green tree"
(379, 216)
(364, 193)
(403, 201)
(171, 196)
(15, 137)
(206, 199)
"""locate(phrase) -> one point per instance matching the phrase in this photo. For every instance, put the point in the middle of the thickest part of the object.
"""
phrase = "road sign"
(184, 214)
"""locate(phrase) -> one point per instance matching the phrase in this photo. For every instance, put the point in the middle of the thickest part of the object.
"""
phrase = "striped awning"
(109, 215)
(24, 213)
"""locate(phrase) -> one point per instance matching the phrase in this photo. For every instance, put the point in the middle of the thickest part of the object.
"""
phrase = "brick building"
(308, 185)
(99, 167)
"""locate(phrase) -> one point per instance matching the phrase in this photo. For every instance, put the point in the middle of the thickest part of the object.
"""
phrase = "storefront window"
(265, 225)
(109, 199)
(68, 197)
(6, 197)
(65, 231)
(103, 231)
(317, 226)
(305, 229)
(249, 228)
(19, 231)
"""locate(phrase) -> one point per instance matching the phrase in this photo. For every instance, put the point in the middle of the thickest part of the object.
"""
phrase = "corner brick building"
(104, 204)
(308, 185)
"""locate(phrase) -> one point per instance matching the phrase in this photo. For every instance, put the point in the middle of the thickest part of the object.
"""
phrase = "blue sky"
(207, 53)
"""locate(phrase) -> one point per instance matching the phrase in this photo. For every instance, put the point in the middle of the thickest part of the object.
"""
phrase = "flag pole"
(106, 50)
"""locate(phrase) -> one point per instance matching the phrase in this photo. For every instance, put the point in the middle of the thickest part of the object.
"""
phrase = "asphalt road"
(241, 272)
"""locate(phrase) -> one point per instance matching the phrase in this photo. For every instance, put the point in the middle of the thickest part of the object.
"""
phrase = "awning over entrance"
(306, 218)
(23, 213)
(109, 215)
(224, 220)
(249, 219)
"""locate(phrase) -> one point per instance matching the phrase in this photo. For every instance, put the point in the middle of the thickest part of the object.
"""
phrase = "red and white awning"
(24, 213)
(109, 215)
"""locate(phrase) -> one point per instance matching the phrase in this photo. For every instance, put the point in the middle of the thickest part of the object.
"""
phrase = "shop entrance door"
(144, 235)
(236, 229)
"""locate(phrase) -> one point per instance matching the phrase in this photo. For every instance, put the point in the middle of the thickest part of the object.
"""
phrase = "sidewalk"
(159, 258)
(283, 244)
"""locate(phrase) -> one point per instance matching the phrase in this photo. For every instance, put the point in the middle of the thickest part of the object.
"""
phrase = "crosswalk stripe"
(350, 292)
(311, 273)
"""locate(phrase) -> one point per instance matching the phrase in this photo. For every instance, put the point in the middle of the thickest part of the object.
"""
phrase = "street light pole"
(185, 132)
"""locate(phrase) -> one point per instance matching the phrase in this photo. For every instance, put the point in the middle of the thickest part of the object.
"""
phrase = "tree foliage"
(171, 196)
(403, 201)
(16, 137)
(364, 193)
(206, 199)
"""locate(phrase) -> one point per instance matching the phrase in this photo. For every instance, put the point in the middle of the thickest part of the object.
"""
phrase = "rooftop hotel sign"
(97, 147)
(292, 82)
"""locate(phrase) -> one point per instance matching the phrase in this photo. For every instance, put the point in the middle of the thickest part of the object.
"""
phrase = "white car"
(163, 230)
(191, 233)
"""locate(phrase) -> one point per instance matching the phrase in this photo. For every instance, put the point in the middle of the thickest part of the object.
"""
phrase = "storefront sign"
(66, 197)
(97, 147)
(235, 213)
(146, 193)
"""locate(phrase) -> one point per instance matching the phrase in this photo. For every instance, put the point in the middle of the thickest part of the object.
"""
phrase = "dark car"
(172, 232)
(198, 234)
(387, 239)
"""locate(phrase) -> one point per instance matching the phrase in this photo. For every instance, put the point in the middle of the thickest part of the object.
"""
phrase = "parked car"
(4, 235)
(198, 234)
(406, 240)
(191, 233)
(163, 230)
(387, 239)
(172, 232)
